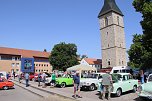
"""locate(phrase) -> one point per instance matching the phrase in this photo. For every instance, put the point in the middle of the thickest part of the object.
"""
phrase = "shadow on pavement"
(142, 99)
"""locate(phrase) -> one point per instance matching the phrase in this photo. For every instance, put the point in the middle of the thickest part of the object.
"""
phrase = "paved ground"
(17, 94)
(89, 95)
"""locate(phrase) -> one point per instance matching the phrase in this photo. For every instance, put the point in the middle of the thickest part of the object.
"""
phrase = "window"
(17, 64)
(39, 65)
(17, 70)
(108, 45)
(47, 70)
(109, 63)
(42, 70)
(118, 20)
(13, 64)
(36, 64)
(107, 33)
(42, 65)
(39, 70)
(106, 21)
(13, 58)
(36, 70)
(0, 57)
(122, 62)
(47, 65)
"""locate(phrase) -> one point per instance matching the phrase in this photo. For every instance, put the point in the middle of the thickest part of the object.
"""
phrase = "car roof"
(122, 73)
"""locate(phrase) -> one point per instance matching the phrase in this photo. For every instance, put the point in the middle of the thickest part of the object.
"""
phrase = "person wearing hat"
(107, 84)
(76, 82)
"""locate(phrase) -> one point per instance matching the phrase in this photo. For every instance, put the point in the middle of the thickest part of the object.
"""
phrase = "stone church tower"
(112, 35)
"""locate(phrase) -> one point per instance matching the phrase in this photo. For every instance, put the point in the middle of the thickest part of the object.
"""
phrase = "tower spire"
(109, 6)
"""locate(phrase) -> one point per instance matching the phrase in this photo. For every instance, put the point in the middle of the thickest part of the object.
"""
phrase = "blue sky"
(40, 24)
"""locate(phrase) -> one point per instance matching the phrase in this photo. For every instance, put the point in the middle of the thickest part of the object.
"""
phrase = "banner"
(27, 65)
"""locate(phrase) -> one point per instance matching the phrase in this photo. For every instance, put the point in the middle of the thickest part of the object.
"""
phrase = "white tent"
(81, 68)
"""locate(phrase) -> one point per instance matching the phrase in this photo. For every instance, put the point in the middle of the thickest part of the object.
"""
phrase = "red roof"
(23, 53)
(93, 61)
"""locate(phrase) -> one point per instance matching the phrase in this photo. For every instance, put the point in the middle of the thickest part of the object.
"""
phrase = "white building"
(97, 63)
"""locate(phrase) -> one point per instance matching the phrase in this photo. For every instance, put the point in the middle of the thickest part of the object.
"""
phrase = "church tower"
(112, 35)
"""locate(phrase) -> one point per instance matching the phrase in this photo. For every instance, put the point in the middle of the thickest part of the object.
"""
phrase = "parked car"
(31, 77)
(145, 90)
(91, 82)
(48, 78)
(5, 84)
(123, 82)
(65, 80)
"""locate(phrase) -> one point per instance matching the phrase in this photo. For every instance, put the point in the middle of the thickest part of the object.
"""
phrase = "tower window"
(106, 21)
(109, 63)
(122, 62)
(118, 19)
(108, 45)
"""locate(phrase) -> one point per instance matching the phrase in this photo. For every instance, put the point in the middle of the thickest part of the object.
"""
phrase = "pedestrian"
(76, 81)
(27, 79)
(107, 84)
(53, 79)
(39, 79)
(141, 76)
(14, 75)
(101, 89)
(19, 77)
(7, 76)
(43, 79)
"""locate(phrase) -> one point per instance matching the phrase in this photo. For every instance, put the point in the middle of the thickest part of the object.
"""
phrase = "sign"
(27, 65)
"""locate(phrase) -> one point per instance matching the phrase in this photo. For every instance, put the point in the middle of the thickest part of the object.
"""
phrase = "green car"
(145, 90)
(123, 82)
(65, 80)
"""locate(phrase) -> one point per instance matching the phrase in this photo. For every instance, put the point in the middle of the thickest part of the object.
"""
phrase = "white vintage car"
(91, 82)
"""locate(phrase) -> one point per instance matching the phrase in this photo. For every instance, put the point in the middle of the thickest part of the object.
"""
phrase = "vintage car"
(122, 82)
(91, 81)
(5, 84)
(145, 90)
(65, 80)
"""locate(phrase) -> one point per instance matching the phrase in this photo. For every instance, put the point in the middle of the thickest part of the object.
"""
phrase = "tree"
(144, 47)
(63, 56)
(136, 52)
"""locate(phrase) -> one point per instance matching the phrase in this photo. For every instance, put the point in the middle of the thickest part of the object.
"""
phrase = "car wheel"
(134, 88)
(118, 92)
(5, 88)
(63, 84)
(92, 87)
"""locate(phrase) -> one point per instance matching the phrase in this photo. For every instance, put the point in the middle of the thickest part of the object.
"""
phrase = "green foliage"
(63, 56)
(143, 48)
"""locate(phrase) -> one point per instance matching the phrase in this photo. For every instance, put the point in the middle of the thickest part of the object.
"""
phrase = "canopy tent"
(81, 67)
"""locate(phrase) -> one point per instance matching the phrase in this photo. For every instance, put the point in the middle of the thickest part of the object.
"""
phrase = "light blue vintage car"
(145, 90)
(122, 82)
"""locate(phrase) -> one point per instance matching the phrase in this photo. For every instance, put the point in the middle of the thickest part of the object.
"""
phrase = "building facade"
(112, 35)
(97, 63)
(10, 60)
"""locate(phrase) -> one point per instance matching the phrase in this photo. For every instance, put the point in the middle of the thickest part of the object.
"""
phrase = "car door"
(126, 84)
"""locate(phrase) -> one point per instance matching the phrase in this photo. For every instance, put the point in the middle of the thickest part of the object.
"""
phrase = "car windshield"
(116, 77)
(48, 75)
(150, 78)
(94, 76)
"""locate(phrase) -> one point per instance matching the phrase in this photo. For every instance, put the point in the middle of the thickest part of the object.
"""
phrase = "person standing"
(19, 77)
(141, 76)
(7, 75)
(43, 79)
(107, 84)
(76, 81)
(53, 79)
(39, 79)
(27, 79)
(14, 75)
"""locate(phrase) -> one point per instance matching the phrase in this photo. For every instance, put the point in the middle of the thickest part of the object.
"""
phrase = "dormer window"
(106, 21)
